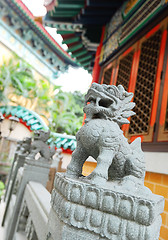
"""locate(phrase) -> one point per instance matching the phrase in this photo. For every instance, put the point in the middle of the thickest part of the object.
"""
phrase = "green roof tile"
(8, 111)
(28, 117)
(80, 53)
(25, 114)
(14, 111)
(62, 140)
(57, 140)
(64, 32)
(71, 40)
(33, 121)
(75, 47)
(36, 127)
(2, 110)
(20, 113)
(31, 118)
(73, 146)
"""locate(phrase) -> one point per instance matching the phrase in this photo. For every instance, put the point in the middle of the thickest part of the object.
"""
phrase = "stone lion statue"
(23, 147)
(39, 145)
(107, 108)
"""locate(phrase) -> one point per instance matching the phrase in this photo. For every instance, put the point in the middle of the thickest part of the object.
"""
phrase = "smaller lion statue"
(39, 145)
(107, 108)
(24, 146)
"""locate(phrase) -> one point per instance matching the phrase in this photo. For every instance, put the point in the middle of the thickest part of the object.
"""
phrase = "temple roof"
(19, 19)
(80, 24)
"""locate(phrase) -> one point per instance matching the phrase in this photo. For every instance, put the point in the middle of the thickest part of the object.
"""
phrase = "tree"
(16, 74)
(64, 110)
(67, 113)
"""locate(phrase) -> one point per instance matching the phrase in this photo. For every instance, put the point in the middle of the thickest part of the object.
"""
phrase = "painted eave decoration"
(17, 16)
(66, 142)
(80, 24)
(30, 119)
(33, 122)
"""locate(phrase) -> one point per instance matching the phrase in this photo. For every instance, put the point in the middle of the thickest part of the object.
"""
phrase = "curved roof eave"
(34, 122)
(24, 13)
(31, 119)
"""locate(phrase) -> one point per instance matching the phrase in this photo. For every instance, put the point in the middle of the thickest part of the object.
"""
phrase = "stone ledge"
(141, 208)
(38, 163)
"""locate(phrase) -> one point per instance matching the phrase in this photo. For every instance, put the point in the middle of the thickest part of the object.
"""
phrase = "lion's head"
(25, 145)
(41, 135)
(108, 102)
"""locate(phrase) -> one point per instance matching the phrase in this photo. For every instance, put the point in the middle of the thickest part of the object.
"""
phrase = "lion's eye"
(91, 100)
(105, 103)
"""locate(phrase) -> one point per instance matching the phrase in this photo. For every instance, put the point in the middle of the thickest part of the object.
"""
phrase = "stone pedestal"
(84, 211)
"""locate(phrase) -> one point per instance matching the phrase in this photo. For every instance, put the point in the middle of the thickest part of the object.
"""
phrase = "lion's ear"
(129, 106)
(128, 97)
(122, 121)
(128, 114)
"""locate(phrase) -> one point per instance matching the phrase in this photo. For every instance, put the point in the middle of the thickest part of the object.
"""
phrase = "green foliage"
(17, 74)
(66, 114)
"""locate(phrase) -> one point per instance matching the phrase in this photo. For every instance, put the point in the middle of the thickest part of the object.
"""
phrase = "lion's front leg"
(104, 160)
(74, 168)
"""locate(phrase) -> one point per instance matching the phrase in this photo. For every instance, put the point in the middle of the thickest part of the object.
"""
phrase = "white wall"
(19, 133)
(156, 162)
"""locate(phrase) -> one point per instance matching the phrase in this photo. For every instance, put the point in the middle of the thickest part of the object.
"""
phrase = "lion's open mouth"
(97, 116)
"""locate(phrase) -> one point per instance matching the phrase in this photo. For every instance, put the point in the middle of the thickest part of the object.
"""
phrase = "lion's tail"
(137, 150)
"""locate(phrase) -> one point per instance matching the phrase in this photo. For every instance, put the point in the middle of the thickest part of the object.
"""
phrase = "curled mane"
(121, 107)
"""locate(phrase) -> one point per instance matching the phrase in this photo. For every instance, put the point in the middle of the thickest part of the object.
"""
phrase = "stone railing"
(34, 212)
(27, 201)
(31, 163)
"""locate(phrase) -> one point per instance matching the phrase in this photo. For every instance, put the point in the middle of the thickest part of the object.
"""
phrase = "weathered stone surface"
(11, 187)
(105, 211)
(51, 178)
(55, 166)
(39, 146)
(57, 159)
(33, 171)
(107, 109)
(34, 211)
(23, 148)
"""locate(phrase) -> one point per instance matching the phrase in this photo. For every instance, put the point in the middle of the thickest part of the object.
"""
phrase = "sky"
(76, 79)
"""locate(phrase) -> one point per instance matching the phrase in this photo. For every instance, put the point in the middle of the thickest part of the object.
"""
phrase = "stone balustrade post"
(18, 162)
(33, 171)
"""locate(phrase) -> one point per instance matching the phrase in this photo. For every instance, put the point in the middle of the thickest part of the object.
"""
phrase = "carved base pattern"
(23, 218)
(30, 230)
(108, 213)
